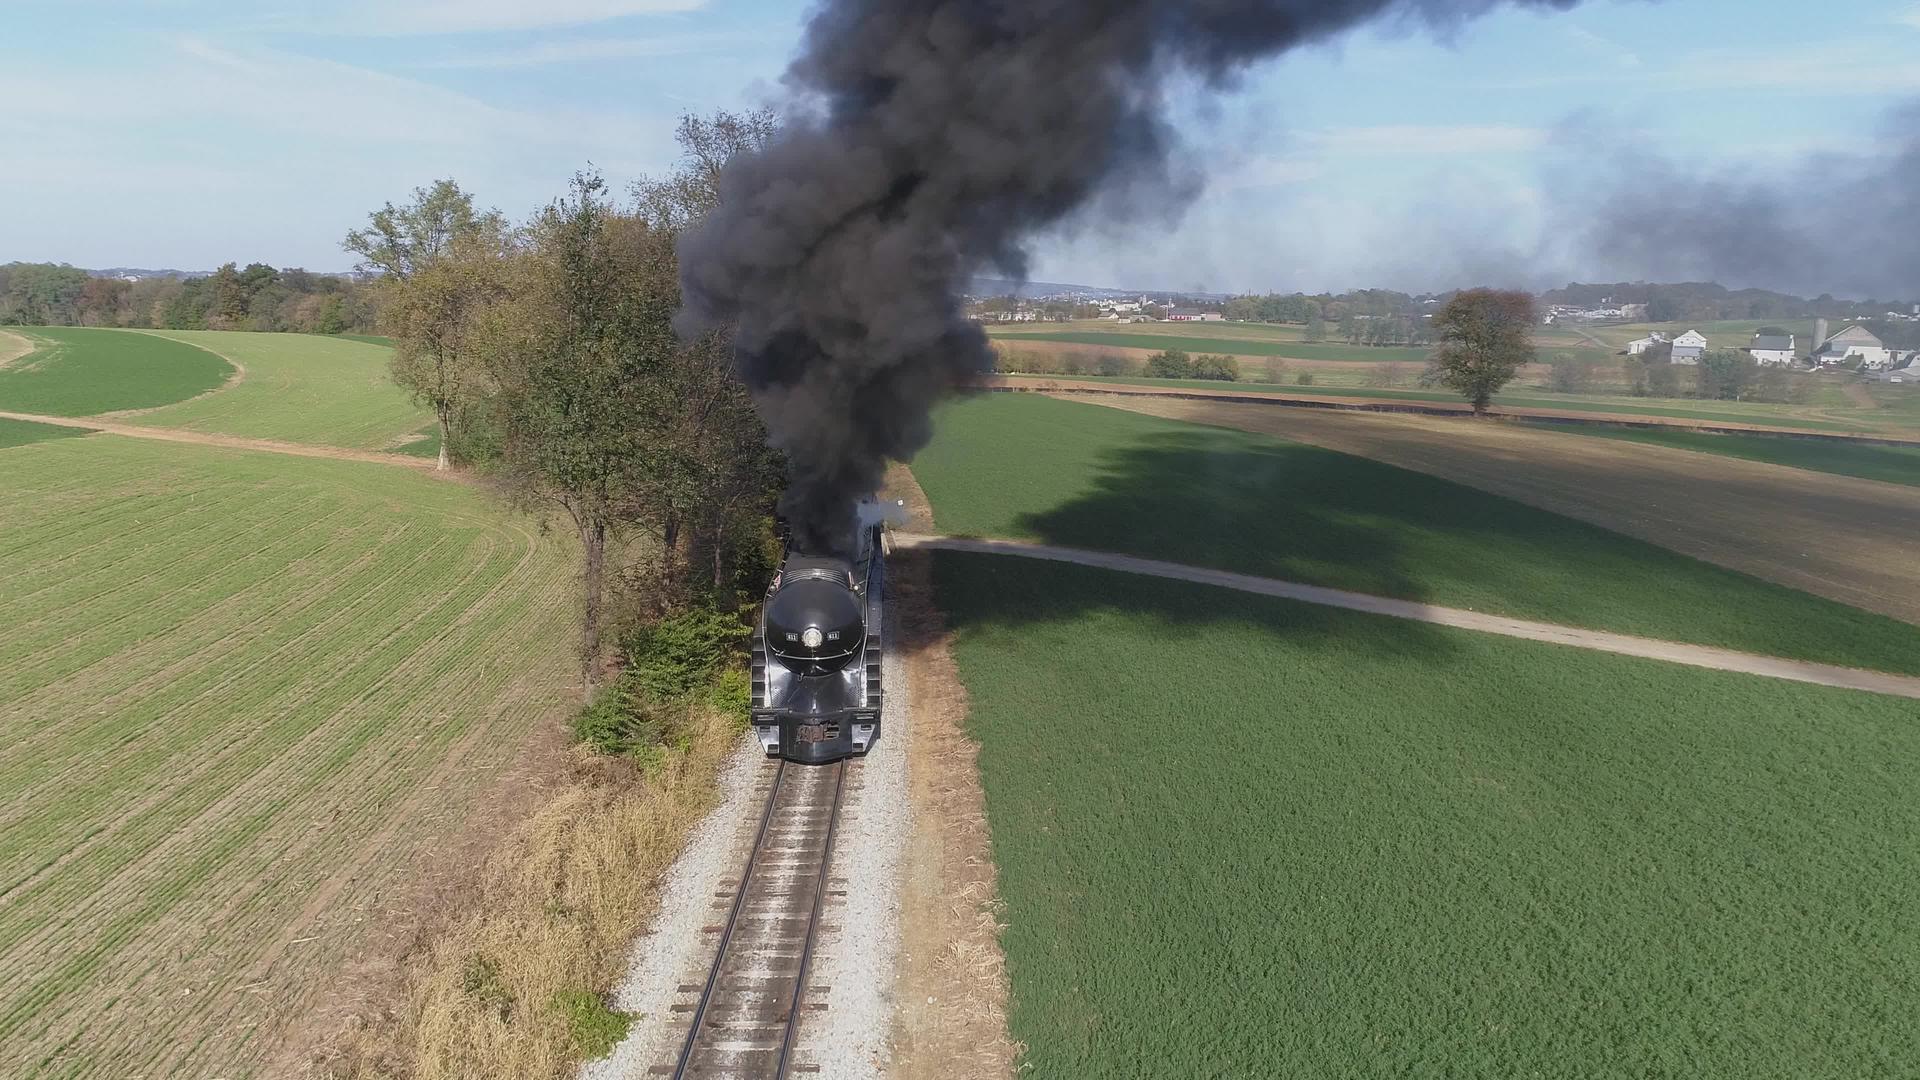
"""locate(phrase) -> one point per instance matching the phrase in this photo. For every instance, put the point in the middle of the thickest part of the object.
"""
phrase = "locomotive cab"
(816, 655)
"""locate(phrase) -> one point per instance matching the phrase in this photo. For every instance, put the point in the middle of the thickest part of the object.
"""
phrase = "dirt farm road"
(13, 347)
(230, 442)
(1840, 537)
(1701, 656)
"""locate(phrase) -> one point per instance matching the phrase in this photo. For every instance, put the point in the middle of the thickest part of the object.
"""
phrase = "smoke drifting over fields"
(1845, 223)
(940, 137)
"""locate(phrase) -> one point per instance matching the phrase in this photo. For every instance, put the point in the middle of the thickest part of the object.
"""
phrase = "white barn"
(1774, 349)
(1641, 345)
(1854, 343)
(1688, 347)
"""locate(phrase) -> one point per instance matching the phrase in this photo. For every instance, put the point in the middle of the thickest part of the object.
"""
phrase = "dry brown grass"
(13, 347)
(556, 907)
(952, 1016)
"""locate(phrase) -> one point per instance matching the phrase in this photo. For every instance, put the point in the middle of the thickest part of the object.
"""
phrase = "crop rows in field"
(302, 388)
(85, 371)
(1244, 837)
(241, 693)
(1079, 475)
(1893, 464)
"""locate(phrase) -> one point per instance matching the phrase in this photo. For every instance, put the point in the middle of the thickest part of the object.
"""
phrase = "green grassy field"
(368, 339)
(1204, 341)
(22, 432)
(1893, 464)
(1240, 837)
(1726, 412)
(300, 388)
(243, 698)
(1080, 475)
(84, 371)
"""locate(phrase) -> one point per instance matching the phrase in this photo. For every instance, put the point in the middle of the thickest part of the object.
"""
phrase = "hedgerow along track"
(744, 1018)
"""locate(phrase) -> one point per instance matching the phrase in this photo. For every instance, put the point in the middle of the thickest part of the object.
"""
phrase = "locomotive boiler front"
(814, 623)
(816, 662)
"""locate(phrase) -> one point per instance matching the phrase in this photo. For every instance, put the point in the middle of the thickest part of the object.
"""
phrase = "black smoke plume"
(942, 134)
(1834, 222)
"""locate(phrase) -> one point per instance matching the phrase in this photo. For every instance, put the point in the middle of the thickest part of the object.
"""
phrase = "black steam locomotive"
(817, 650)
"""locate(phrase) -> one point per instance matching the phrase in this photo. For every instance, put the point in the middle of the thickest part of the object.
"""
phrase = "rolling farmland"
(81, 371)
(1242, 837)
(244, 698)
(1198, 341)
(1084, 476)
(300, 388)
(1847, 420)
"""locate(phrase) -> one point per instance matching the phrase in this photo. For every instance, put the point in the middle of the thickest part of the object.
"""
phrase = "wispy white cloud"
(1264, 171)
(395, 18)
(1909, 17)
(586, 50)
(329, 98)
(1430, 139)
(1603, 47)
(1876, 67)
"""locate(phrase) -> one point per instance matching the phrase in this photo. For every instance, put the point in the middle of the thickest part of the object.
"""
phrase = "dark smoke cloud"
(942, 135)
(1842, 223)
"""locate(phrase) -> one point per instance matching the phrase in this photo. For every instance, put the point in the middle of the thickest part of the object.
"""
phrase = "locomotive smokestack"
(933, 140)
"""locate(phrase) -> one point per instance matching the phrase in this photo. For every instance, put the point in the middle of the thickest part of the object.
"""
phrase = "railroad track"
(742, 1020)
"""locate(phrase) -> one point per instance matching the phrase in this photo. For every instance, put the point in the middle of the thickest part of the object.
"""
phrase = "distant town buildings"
(1194, 315)
(1607, 311)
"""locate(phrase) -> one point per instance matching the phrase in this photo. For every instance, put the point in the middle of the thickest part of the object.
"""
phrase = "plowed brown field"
(1847, 539)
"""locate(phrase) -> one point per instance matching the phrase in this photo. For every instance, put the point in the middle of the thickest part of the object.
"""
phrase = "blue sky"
(190, 132)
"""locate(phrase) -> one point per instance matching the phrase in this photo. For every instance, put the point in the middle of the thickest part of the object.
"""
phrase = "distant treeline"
(1697, 301)
(258, 297)
(1360, 317)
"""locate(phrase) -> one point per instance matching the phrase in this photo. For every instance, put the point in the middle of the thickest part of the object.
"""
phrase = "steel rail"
(733, 919)
(813, 922)
(809, 803)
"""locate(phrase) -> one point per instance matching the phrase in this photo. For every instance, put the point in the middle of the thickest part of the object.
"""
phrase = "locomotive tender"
(817, 651)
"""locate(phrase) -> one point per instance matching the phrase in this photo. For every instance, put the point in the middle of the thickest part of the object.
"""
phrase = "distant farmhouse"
(1773, 349)
(1194, 315)
(1688, 347)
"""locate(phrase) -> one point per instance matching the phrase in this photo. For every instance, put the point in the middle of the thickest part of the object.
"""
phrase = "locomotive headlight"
(811, 637)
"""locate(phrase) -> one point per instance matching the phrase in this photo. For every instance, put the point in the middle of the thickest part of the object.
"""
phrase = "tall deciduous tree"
(577, 357)
(440, 262)
(1485, 337)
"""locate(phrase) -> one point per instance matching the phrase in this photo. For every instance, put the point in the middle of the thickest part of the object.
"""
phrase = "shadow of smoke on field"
(1275, 510)
(1198, 498)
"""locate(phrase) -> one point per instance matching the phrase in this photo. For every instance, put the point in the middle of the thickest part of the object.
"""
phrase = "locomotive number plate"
(811, 733)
